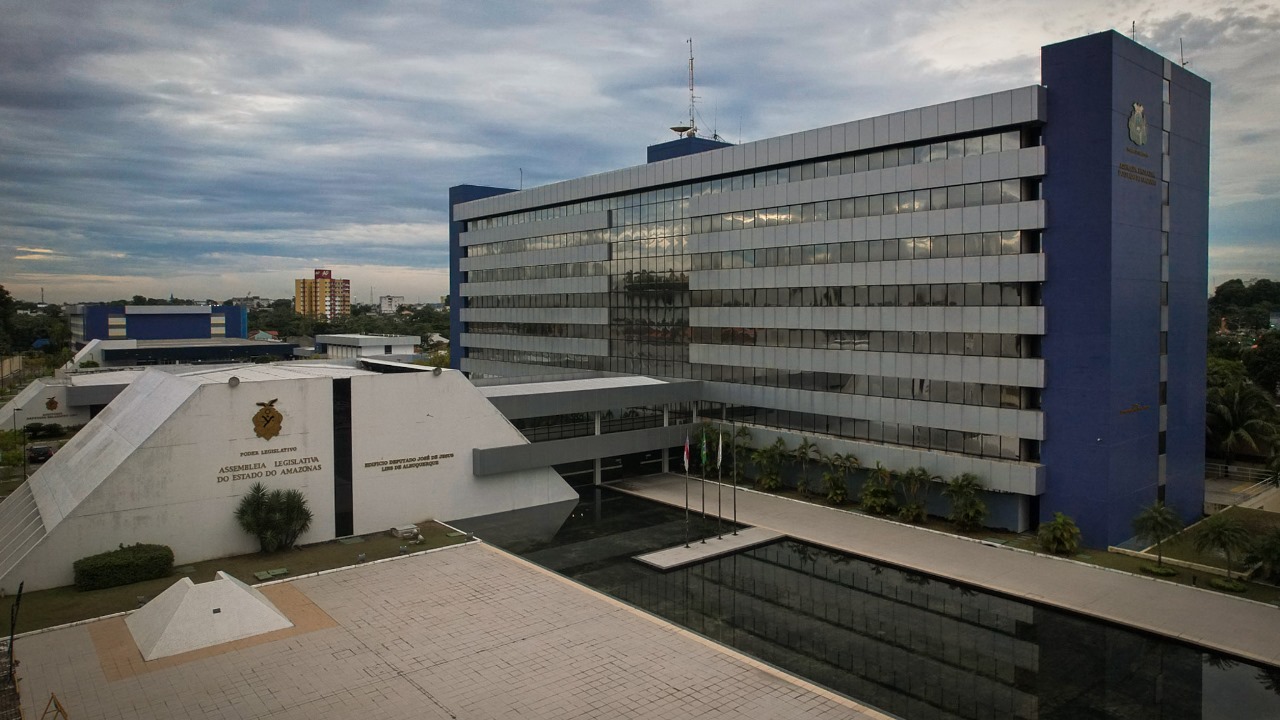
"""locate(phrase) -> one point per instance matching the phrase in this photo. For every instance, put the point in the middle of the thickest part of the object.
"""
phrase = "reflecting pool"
(909, 644)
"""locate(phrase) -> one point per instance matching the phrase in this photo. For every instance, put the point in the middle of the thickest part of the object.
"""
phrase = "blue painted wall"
(237, 320)
(681, 147)
(167, 327)
(460, 194)
(1102, 290)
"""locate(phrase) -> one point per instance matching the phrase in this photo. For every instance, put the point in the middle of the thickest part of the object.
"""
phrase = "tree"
(276, 517)
(877, 491)
(804, 452)
(1223, 533)
(1267, 551)
(833, 480)
(912, 481)
(768, 460)
(1262, 361)
(1060, 536)
(1240, 416)
(1155, 524)
(967, 508)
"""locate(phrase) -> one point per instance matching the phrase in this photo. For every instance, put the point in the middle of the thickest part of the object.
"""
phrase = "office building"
(1011, 285)
(155, 322)
(322, 296)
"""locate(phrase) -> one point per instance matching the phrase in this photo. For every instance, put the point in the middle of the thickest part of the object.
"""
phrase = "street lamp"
(23, 448)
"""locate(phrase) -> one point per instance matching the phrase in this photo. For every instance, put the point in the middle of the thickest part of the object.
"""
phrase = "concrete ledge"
(712, 547)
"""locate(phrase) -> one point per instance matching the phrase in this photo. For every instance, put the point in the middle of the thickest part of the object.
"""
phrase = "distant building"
(322, 296)
(354, 345)
(388, 304)
(155, 322)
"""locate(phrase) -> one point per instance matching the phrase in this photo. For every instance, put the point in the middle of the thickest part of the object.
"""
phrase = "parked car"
(39, 453)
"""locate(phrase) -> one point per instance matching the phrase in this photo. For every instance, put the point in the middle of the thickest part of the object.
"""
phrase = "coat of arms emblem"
(51, 404)
(267, 421)
(1138, 125)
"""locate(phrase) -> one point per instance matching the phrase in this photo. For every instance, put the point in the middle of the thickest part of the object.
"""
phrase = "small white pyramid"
(189, 617)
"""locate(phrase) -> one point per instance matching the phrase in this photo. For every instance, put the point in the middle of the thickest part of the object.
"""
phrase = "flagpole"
(686, 490)
(702, 479)
(733, 452)
(720, 473)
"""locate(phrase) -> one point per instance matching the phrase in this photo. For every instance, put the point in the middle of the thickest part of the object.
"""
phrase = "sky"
(222, 149)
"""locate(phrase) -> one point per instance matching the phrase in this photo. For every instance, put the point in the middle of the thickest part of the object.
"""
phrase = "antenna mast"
(693, 125)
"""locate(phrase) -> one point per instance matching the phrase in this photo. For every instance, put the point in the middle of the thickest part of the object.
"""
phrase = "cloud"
(223, 142)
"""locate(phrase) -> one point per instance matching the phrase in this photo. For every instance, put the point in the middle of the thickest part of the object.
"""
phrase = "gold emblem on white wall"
(267, 421)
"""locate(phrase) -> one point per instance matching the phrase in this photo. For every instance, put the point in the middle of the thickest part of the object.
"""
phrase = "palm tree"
(1060, 535)
(1222, 532)
(833, 480)
(912, 509)
(967, 508)
(768, 460)
(254, 516)
(877, 491)
(294, 516)
(1240, 416)
(803, 453)
(1155, 524)
(1267, 551)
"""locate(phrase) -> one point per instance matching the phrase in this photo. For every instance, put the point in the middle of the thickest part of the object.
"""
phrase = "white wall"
(147, 470)
(433, 422)
(32, 405)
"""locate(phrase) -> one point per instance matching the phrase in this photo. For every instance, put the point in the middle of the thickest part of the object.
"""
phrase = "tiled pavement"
(1204, 617)
(466, 632)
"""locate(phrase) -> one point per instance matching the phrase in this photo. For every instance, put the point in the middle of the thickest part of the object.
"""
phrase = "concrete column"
(666, 421)
(596, 462)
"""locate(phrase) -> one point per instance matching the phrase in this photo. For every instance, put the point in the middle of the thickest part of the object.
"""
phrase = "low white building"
(354, 345)
(169, 458)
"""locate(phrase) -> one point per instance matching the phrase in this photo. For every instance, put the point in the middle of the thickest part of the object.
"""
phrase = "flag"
(686, 453)
(720, 450)
(704, 451)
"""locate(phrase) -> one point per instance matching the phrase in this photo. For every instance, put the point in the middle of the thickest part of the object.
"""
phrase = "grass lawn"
(56, 606)
(1257, 522)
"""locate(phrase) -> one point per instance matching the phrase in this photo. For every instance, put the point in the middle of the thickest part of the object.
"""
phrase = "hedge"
(123, 566)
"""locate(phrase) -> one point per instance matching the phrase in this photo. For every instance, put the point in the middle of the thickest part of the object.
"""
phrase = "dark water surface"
(913, 645)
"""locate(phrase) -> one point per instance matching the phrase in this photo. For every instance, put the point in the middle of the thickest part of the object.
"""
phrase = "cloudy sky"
(217, 149)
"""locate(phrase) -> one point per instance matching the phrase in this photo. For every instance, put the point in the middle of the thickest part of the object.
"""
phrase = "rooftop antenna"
(690, 130)
(1182, 59)
(1133, 31)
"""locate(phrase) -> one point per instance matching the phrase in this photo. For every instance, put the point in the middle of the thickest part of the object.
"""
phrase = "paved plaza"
(463, 632)
(1204, 617)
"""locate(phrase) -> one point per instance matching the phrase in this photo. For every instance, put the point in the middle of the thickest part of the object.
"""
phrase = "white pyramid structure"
(189, 617)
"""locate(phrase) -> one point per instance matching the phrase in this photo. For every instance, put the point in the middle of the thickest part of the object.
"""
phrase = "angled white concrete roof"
(189, 617)
(273, 371)
(557, 386)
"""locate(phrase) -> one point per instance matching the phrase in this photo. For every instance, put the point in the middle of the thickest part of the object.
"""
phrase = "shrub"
(276, 517)
(123, 566)
(1159, 570)
(967, 508)
(877, 492)
(1060, 535)
(1228, 584)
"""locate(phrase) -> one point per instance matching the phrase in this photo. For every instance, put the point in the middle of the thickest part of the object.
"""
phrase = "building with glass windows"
(1011, 285)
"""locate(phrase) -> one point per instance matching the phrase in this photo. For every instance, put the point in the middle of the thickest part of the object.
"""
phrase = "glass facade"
(658, 239)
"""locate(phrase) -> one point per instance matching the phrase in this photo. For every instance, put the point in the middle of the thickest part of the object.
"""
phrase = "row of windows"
(994, 192)
(903, 341)
(839, 165)
(542, 242)
(1010, 242)
(538, 272)
(939, 295)
(992, 446)
(560, 330)
(549, 300)
(940, 391)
